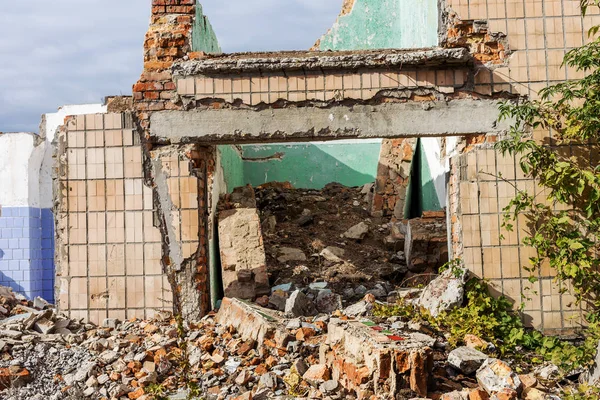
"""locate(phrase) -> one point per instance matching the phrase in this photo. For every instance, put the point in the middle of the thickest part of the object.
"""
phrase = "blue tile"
(47, 254)
(48, 275)
(3, 243)
(7, 254)
(23, 211)
(13, 244)
(18, 254)
(15, 275)
(13, 265)
(24, 243)
(18, 222)
(48, 265)
(6, 212)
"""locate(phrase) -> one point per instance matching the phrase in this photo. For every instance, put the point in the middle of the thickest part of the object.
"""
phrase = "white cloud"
(72, 51)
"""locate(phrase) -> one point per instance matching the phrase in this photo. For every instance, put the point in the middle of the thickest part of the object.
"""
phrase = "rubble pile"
(324, 243)
(247, 352)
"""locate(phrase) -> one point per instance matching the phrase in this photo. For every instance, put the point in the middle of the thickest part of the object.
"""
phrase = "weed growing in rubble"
(495, 320)
(157, 390)
(492, 319)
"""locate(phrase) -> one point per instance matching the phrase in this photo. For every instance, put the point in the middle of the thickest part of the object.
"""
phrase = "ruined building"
(136, 183)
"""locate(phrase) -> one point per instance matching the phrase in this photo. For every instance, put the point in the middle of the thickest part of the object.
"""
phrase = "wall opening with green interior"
(314, 189)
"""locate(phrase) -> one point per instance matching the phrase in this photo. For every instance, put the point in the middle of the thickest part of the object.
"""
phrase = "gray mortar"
(319, 61)
(387, 120)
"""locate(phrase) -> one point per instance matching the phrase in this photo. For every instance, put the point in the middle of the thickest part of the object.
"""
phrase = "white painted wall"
(50, 124)
(21, 158)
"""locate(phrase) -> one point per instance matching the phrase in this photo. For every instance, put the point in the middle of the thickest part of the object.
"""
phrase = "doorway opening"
(348, 217)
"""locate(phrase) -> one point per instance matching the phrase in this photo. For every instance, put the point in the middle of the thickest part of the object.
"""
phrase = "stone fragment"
(455, 395)
(478, 394)
(278, 300)
(466, 359)
(110, 323)
(547, 372)
(444, 293)
(357, 232)
(359, 309)
(298, 305)
(495, 375)
(300, 366)
(506, 394)
(14, 377)
(328, 302)
(43, 326)
(528, 381)
(288, 254)
(109, 356)
(7, 333)
(329, 386)
(534, 394)
(243, 378)
(242, 253)
(268, 380)
(317, 374)
(475, 342)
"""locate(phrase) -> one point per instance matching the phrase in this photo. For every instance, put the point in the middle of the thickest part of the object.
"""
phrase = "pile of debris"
(323, 242)
(247, 352)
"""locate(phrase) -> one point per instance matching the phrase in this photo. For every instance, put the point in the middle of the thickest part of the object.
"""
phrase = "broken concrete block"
(357, 232)
(317, 374)
(278, 300)
(444, 293)
(358, 354)
(328, 302)
(251, 322)
(495, 375)
(456, 395)
(466, 359)
(242, 254)
(299, 305)
(332, 254)
(44, 326)
(288, 254)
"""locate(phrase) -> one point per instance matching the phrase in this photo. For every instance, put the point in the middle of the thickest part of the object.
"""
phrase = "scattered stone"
(466, 359)
(288, 254)
(328, 302)
(317, 374)
(298, 305)
(329, 387)
(357, 232)
(495, 375)
(444, 293)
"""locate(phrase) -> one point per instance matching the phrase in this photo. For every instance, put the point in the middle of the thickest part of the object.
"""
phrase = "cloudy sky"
(78, 51)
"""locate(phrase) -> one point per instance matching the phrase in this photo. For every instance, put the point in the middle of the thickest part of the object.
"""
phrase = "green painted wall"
(203, 36)
(422, 194)
(304, 165)
(385, 24)
(233, 167)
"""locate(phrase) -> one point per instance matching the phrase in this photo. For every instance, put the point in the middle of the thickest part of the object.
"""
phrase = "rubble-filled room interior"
(336, 215)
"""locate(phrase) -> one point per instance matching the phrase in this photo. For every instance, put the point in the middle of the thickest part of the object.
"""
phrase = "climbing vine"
(563, 217)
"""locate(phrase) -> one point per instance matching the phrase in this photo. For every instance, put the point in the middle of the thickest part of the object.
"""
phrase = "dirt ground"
(312, 220)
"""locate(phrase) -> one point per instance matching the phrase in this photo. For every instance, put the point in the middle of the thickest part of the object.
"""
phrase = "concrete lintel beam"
(387, 120)
(318, 61)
